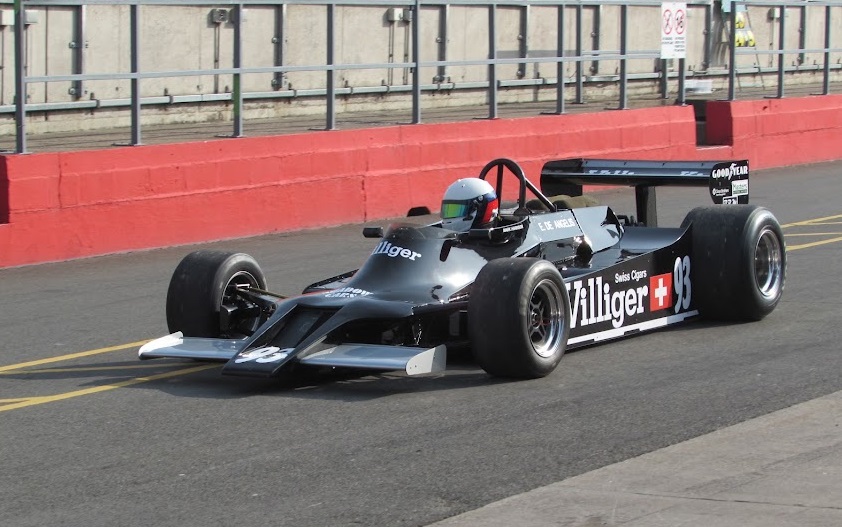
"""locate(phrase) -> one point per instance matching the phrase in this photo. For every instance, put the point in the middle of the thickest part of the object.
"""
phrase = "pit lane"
(92, 436)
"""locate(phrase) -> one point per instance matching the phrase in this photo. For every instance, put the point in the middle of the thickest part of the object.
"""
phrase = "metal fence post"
(237, 94)
(134, 45)
(523, 41)
(596, 37)
(682, 76)
(802, 34)
(664, 86)
(492, 68)
(278, 41)
(624, 102)
(20, 79)
(708, 44)
(732, 52)
(77, 46)
(826, 68)
(580, 81)
(559, 92)
(444, 15)
(781, 47)
(330, 120)
(416, 59)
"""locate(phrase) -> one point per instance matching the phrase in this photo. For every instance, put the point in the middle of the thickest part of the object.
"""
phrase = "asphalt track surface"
(89, 436)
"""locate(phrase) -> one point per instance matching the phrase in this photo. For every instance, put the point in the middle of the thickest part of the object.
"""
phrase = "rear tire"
(518, 318)
(739, 261)
(202, 283)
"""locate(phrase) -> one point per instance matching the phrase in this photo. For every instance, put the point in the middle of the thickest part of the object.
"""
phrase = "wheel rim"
(230, 299)
(240, 280)
(545, 318)
(768, 266)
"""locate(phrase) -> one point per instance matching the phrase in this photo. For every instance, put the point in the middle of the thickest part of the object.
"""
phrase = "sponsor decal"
(729, 180)
(512, 228)
(626, 277)
(629, 172)
(596, 300)
(263, 355)
(739, 188)
(593, 302)
(661, 287)
(394, 251)
(730, 171)
(611, 172)
(346, 292)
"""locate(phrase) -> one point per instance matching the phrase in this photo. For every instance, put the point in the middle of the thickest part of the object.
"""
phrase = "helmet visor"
(455, 209)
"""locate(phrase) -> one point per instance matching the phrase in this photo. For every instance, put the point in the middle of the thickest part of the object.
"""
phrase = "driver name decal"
(394, 251)
(562, 223)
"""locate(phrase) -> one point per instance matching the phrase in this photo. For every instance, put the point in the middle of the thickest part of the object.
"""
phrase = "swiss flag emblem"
(660, 291)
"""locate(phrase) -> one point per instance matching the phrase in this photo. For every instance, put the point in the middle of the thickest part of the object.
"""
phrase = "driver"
(469, 203)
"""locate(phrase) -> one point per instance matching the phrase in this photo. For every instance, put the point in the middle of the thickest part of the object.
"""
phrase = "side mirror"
(498, 234)
(446, 246)
(373, 232)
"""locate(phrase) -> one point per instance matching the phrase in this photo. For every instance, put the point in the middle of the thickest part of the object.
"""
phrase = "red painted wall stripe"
(58, 206)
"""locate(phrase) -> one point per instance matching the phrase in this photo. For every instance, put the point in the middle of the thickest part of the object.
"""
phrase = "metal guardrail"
(492, 85)
(780, 8)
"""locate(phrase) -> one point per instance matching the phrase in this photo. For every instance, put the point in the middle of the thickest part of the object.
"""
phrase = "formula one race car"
(546, 276)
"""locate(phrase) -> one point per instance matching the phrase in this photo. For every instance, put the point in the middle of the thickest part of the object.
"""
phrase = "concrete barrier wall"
(59, 206)
(779, 132)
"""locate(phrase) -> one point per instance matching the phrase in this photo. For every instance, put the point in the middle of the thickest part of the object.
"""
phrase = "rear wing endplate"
(727, 181)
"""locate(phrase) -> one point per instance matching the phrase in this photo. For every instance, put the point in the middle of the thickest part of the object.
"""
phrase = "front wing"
(412, 360)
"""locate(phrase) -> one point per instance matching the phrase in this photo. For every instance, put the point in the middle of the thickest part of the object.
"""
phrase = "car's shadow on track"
(330, 384)
(345, 386)
(342, 384)
(359, 385)
(202, 380)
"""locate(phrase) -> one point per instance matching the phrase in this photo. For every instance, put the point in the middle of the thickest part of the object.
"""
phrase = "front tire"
(739, 261)
(203, 285)
(518, 318)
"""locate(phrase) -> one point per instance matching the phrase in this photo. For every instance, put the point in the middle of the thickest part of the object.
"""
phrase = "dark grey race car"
(547, 277)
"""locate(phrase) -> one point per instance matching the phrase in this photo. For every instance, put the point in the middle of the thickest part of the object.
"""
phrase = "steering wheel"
(504, 163)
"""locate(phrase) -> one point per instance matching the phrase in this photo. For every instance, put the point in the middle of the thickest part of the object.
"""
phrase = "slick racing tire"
(519, 318)
(739, 261)
(205, 282)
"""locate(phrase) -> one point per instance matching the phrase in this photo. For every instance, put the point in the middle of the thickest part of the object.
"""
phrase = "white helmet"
(469, 203)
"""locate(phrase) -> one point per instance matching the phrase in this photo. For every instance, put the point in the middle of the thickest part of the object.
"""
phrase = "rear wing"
(727, 181)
